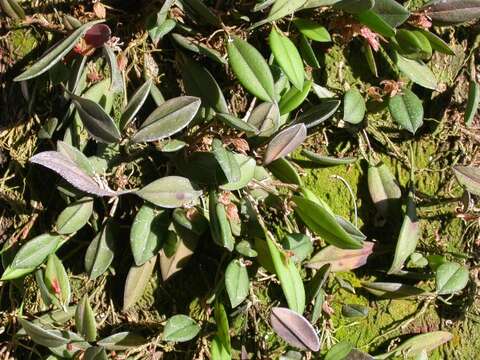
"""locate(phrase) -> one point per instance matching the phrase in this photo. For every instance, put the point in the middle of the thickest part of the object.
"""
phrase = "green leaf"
(416, 71)
(203, 11)
(354, 310)
(12, 9)
(137, 281)
(251, 69)
(307, 52)
(35, 251)
(417, 344)
(95, 353)
(289, 276)
(56, 279)
(116, 84)
(376, 23)
(47, 338)
(218, 351)
(76, 156)
(341, 259)
(372, 65)
(451, 278)
(339, 351)
(96, 120)
(293, 98)
(247, 170)
(148, 232)
(468, 177)
(384, 188)
(312, 30)
(74, 216)
(353, 107)
(407, 110)
(327, 160)
(223, 328)
(408, 237)
(199, 48)
(284, 171)
(298, 244)
(219, 224)
(354, 6)
(288, 57)
(472, 102)
(168, 119)
(122, 341)
(450, 12)
(266, 118)
(319, 113)
(413, 44)
(175, 254)
(198, 81)
(56, 54)
(85, 320)
(180, 328)
(227, 161)
(236, 123)
(100, 252)
(285, 142)
(245, 248)
(323, 223)
(169, 192)
(437, 42)
(391, 12)
(135, 103)
(280, 9)
(386, 290)
(236, 282)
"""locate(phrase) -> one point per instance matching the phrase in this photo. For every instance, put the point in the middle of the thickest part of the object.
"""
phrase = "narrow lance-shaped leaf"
(280, 9)
(48, 338)
(376, 23)
(312, 30)
(407, 110)
(416, 71)
(135, 103)
(99, 253)
(56, 279)
(468, 177)
(294, 329)
(180, 328)
(71, 172)
(137, 281)
(85, 320)
(76, 156)
(322, 222)
(148, 232)
(384, 188)
(472, 102)
(285, 142)
(116, 84)
(287, 56)
(293, 98)
(408, 237)
(219, 224)
(56, 54)
(175, 254)
(122, 341)
(227, 161)
(74, 216)
(449, 12)
(236, 123)
(387, 290)
(236, 282)
(12, 9)
(97, 122)
(450, 278)
(328, 160)
(35, 251)
(168, 119)
(354, 6)
(414, 346)
(169, 192)
(341, 259)
(391, 12)
(289, 276)
(319, 113)
(251, 69)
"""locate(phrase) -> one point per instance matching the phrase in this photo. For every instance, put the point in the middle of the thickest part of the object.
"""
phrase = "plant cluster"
(199, 169)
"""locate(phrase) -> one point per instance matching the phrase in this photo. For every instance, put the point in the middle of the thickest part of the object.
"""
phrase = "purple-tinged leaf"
(68, 170)
(387, 290)
(341, 259)
(447, 12)
(294, 329)
(285, 142)
(97, 35)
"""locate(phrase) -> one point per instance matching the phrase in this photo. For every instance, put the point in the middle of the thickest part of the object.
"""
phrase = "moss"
(22, 42)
